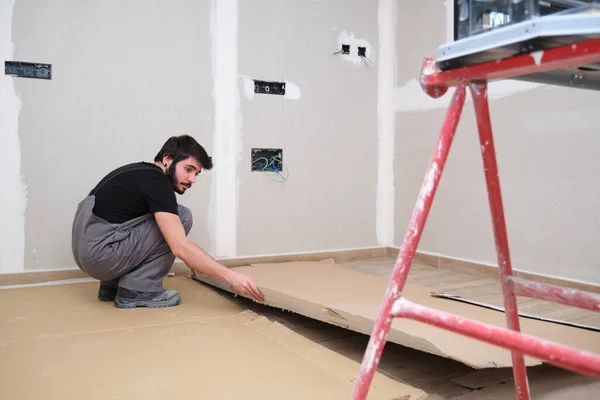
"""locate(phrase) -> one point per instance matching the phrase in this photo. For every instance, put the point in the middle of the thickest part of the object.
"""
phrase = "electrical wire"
(365, 57)
(345, 50)
(283, 179)
(262, 158)
(267, 168)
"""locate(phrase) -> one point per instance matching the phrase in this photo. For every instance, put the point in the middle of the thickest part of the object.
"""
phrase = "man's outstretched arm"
(197, 259)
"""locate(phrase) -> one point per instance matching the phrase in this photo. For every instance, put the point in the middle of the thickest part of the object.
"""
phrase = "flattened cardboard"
(60, 342)
(545, 382)
(450, 296)
(66, 309)
(588, 391)
(484, 378)
(352, 299)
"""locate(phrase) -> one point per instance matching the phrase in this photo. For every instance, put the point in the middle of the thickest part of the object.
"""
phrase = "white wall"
(13, 198)
(122, 86)
(328, 135)
(127, 75)
(546, 139)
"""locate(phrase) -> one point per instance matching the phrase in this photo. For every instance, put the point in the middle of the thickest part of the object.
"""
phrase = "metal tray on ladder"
(530, 37)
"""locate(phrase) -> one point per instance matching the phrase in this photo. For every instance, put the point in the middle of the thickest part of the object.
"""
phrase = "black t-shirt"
(134, 190)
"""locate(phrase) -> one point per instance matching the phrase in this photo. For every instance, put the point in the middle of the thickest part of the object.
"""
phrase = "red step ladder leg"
(479, 92)
(409, 246)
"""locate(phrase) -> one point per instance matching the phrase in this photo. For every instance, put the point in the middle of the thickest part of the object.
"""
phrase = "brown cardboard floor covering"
(351, 299)
(550, 384)
(60, 342)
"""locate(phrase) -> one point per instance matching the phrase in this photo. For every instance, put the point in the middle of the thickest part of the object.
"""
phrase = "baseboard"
(422, 258)
(492, 271)
(337, 255)
(33, 277)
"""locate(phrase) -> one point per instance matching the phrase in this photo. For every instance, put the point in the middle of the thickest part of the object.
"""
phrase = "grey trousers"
(133, 255)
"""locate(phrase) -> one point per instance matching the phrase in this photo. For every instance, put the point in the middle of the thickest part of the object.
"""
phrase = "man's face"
(183, 174)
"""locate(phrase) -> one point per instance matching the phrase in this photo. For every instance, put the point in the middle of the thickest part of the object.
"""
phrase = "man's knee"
(185, 215)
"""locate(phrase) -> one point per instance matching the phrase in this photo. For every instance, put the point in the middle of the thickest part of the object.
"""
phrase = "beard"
(173, 179)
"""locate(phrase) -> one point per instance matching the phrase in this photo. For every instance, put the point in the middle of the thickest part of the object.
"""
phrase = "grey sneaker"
(130, 298)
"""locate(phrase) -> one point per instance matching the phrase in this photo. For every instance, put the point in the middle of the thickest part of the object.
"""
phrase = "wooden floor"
(434, 374)
(476, 287)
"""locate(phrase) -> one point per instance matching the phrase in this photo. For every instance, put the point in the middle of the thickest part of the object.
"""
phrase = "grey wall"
(126, 76)
(547, 142)
(328, 136)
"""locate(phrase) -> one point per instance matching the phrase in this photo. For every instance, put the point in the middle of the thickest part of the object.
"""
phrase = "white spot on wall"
(223, 208)
(386, 121)
(13, 201)
(292, 91)
(248, 86)
(354, 42)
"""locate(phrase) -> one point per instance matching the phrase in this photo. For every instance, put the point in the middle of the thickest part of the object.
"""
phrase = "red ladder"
(435, 83)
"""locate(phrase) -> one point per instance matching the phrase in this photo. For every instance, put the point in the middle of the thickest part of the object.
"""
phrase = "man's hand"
(243, 284)
(197, 259)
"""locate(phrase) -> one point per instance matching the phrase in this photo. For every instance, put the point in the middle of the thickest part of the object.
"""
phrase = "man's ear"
(167, 160)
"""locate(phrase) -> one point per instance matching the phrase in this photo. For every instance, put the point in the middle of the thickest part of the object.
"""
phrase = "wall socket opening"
(264, 87)
(266, 160)
(22, 69)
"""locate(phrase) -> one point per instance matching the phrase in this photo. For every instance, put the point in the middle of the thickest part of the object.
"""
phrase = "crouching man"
(128, 230)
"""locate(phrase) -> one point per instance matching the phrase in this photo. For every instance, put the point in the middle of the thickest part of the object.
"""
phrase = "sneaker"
(107, 293)
(130, 298)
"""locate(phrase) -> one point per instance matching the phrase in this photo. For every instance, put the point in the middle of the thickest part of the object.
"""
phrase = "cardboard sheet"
(351, 299)
(485, 378)
(60, 342)
(545, 382)
(450, 296)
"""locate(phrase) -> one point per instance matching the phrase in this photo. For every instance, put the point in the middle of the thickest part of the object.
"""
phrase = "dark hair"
(181, 147)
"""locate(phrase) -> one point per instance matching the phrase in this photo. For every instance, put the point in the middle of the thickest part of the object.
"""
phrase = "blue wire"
(271, 167)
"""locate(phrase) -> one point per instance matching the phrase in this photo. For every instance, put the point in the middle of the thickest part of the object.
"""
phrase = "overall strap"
(116, 173)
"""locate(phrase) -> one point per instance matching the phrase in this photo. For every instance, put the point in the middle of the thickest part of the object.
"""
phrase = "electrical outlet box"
(264, 87)
(28, 70)
(362, 51)
(266, 160)
(345, 49)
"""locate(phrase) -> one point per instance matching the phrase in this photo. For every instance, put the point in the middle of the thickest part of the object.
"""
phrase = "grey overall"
(133, 254)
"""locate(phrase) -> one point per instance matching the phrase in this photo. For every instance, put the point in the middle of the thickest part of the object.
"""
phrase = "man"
(129, 229)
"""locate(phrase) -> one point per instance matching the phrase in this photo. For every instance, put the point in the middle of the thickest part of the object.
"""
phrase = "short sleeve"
(160, 195)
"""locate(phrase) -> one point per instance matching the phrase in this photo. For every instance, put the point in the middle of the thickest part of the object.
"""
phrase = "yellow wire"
(262, 158)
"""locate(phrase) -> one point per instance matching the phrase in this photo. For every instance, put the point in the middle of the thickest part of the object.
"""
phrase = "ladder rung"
(553, 353)
(556, 294)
